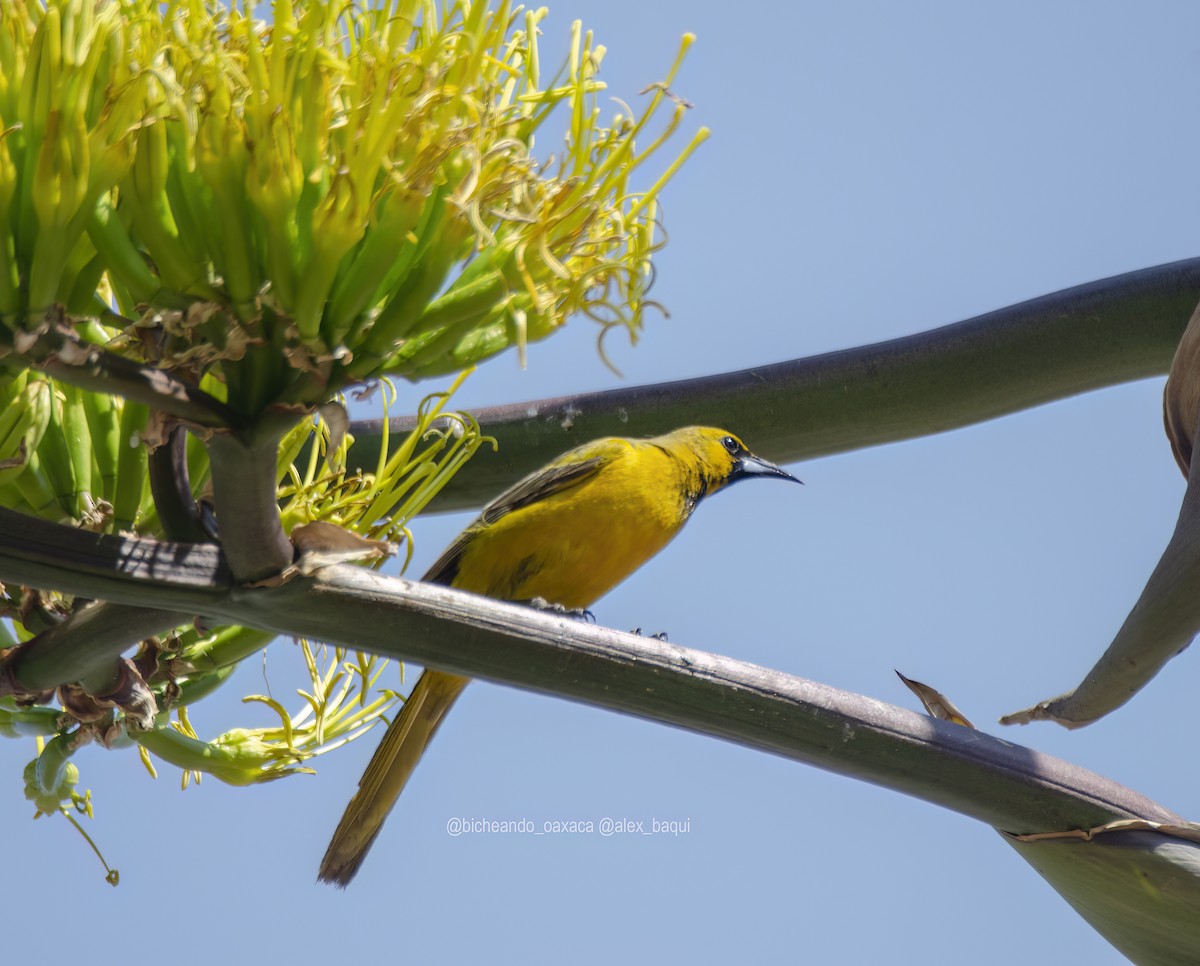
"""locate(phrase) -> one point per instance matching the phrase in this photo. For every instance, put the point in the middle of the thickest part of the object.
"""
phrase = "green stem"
(1100, 334)
(86, 645)
(245, 480)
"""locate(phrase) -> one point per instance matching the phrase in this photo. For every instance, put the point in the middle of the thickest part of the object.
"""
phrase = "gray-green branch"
(1100, 334)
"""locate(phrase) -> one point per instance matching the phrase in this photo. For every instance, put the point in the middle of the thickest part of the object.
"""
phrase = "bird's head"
(718, 457)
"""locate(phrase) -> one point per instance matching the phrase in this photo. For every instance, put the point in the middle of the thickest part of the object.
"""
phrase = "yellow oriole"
(566, 534)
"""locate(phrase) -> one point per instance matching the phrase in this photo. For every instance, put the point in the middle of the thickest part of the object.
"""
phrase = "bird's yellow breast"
(574, 546)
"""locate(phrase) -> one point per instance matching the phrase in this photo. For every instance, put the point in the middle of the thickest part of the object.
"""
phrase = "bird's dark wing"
(537, 486)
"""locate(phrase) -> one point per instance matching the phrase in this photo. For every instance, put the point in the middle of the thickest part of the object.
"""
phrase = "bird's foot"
(660, 636)
(580, 614)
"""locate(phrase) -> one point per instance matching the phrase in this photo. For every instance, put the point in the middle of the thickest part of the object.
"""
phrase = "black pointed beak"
(750, 465)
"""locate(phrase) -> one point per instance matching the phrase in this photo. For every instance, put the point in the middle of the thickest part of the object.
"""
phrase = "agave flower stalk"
(293, 207)
(278, 211)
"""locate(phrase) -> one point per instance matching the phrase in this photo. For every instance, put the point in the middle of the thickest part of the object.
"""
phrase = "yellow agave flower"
(352, 190)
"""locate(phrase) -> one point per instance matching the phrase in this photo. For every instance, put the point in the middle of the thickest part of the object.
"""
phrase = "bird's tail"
(386, 775)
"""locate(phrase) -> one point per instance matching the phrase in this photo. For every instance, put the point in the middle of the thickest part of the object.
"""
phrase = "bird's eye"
(731, 445)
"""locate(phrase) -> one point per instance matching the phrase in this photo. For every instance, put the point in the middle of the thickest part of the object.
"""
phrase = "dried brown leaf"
(338, 421)
(936, 703)
(1189, 830)
(320, 544)
(1181, 395)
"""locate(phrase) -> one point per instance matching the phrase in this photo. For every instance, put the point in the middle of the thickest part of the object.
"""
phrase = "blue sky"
(875, 169)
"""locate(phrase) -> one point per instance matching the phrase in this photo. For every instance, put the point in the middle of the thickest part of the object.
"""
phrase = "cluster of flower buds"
(348, 191)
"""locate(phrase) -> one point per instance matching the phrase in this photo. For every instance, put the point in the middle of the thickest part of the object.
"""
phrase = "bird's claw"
(660, 636)
(540, 603)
